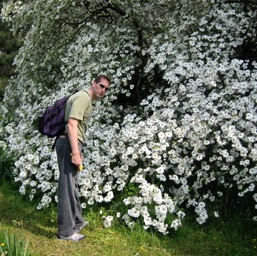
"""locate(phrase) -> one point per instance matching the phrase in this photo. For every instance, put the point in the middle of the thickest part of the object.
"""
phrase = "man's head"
(100, 86)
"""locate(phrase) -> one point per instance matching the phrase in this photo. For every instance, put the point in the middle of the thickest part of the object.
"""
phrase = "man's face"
(100, 88)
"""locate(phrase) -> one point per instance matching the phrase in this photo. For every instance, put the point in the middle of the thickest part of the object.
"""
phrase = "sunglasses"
(104, 87)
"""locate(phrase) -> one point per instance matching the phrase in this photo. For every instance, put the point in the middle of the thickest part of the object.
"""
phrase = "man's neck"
(91, 94)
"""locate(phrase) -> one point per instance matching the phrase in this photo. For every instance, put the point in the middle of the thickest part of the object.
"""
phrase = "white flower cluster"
(2, 144)
(189, 143)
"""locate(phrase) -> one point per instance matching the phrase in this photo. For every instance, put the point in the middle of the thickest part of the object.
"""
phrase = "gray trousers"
(69, 208)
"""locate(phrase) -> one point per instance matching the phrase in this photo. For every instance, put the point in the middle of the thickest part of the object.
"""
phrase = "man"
(68, 148)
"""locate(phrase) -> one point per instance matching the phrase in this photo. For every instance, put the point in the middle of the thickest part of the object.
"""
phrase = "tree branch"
(115, 8)
(242, 2)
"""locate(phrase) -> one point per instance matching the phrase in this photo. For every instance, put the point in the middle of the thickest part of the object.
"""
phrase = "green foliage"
(9, 46)
(190, 143)
(6, 165)
(231, 237)
(235, 236)
(8, 42)
(12, 244)
(3, 84)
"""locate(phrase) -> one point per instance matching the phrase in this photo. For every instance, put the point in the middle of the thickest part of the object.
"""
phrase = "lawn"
(235, 237)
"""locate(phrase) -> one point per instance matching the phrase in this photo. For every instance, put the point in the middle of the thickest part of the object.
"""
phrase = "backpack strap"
(53, 146)
(55, 140)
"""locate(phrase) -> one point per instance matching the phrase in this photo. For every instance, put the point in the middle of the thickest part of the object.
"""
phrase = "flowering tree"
(177, 130)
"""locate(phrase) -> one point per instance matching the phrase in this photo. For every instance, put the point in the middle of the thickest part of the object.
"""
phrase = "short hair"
(100, 76)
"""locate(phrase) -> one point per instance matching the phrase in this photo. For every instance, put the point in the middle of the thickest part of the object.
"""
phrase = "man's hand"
(76, 159)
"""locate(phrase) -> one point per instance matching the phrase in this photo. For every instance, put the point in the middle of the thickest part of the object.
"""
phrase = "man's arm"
(72, 127)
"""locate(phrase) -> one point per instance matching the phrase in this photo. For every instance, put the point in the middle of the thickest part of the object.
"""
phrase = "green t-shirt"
(79, 106)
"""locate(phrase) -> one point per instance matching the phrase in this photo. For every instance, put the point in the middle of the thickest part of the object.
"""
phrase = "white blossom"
(192, 119)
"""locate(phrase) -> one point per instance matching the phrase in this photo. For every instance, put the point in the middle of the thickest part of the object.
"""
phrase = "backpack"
(52, 122)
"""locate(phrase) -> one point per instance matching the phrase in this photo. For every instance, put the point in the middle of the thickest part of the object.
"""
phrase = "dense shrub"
(178, 128)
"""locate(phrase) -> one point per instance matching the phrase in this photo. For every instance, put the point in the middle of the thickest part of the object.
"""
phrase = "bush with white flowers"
(178, 129)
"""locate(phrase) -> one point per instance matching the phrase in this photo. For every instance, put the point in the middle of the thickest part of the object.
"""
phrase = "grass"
(236, 236)
(12, 244)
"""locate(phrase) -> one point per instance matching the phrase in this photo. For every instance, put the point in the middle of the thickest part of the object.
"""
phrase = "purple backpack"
(52, 122)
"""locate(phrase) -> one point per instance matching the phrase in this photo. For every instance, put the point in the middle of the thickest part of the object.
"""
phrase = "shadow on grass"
(232, 237)
(24, 213)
